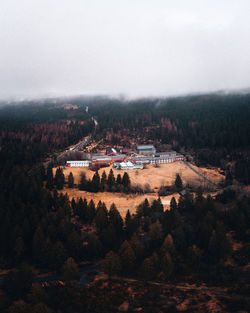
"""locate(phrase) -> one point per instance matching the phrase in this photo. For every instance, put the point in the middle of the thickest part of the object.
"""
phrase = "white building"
(129, 166)
(84, 163)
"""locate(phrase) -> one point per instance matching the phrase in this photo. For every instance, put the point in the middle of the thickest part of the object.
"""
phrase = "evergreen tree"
(59, 179)
(83, 182)
(157, 206)
(147, 270)
(103, 181)
(112, 264)
(168, 245)
(137, 247)
(127, 219)
(49, 178)
(19, 248)
(70, 270)
(115, 219)
(101, 218)
(70, 180)
(146, 208)
(178, 182)
(82, 210)
(96, 182)
(173, 204)
(74, 206)
(94, 247)
(127, 256)
(118, 179)
(155, 232)
(126, 181)
(167, 265)
(194, 257)
(59, 255)
(91, 211)
(111, 180)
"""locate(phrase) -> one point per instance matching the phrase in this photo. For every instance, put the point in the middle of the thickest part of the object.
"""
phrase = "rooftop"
(145, 147)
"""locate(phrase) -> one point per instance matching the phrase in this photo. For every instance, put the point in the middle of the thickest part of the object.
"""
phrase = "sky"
(123, 47)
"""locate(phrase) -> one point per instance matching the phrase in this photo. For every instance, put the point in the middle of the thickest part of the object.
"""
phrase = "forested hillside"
(200, 239)
(214, 129)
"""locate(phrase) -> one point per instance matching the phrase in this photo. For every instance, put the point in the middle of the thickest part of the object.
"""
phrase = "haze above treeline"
(134, 48)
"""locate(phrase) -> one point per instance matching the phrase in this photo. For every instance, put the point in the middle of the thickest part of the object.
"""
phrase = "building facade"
(79, 163)
(146, 149)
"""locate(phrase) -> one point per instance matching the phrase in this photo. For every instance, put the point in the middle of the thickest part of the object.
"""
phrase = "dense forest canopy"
(41, 228)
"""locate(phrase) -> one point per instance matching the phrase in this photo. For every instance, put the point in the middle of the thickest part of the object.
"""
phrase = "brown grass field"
(155, 177)
(122, 201)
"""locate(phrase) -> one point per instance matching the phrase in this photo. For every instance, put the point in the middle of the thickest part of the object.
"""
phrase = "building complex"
(146, 154)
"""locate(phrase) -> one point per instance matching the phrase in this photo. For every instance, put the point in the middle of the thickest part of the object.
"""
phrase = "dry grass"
(122, 201)
(155, 177)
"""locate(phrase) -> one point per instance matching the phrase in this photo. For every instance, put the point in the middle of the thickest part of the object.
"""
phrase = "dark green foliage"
(59, 179)
(49, 178)
(70, 180)
(127, 256)
(148, 270)
(112, 264)
(83, 182)
(101, 218)
(126, 181)
(111, 180)
(115, 219)
(193, 239)
(103, 181)
(95, 186)
(70, 270)
(178, 182)
(18, 283)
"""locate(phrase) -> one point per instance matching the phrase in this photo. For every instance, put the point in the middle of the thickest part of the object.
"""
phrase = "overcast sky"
(131, 47)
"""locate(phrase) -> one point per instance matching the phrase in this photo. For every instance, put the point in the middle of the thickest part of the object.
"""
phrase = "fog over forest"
(134, 47)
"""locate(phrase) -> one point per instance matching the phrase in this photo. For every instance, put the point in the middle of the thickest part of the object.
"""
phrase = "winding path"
(202, 176)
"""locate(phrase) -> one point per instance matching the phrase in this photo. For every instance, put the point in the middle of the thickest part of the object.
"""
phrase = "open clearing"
(154, 176)
(122, 201)
(163, 175)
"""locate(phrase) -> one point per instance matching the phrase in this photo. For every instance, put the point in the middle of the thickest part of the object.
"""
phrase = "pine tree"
(112, 264)
(118, 179)
(137, 247)
(96, 182)
(126, 181)
(167, 265)
(147, 270)
(157, 206)
(155, 232)
(116, 219)
(146, 208)
(178, 182)
(59, 179)
(91, 211)
(82, 210)
(173, 204)
(59, 255)
(168, 245)
(127, 219)
(111, 180)
(127, 256)
(83, 182)
(103, 181)
(101, 218)
(49, 178)
(70, 270)
(19, 248)
(70, 180)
